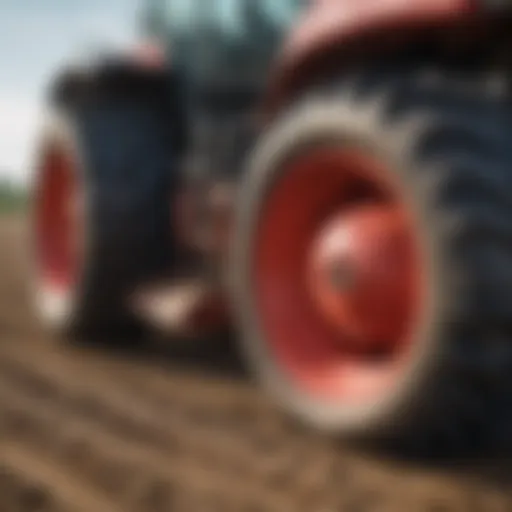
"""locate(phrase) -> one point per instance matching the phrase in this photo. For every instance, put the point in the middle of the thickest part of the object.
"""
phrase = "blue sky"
(36, 36)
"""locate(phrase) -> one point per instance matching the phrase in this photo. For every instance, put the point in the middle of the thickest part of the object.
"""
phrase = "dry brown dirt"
(95, 430)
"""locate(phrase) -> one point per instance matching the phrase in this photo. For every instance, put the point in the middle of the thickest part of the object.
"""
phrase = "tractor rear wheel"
(373, 259)
(101, 221)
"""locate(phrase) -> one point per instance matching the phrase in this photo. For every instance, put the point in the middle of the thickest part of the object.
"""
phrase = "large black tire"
(449, 139)
(123, 160)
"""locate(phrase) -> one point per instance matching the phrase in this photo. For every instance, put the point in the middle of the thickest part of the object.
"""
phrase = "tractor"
(330, 178)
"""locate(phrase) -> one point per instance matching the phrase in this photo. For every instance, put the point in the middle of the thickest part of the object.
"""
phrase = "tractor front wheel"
(100, 218)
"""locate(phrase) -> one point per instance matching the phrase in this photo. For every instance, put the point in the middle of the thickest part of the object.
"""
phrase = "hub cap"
(360, 276)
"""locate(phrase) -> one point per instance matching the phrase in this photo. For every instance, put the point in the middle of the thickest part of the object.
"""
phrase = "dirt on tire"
(159, 428)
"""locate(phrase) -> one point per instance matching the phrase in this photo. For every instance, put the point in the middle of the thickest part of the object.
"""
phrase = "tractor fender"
(141, 74)
(356, 29)
(111, 72)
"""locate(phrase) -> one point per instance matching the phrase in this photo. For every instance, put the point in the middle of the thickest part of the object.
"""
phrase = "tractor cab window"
(228, 39)
(223, 49)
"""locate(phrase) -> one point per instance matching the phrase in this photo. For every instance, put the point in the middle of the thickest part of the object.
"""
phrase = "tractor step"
(186, 308)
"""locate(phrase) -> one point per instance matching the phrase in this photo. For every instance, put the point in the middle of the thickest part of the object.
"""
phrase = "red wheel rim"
(58, 222)
(337, 275)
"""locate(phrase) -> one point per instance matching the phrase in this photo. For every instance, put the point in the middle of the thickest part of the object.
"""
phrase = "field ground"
(92, 430)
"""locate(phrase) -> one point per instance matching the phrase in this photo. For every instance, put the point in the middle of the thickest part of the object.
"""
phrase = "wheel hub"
(360, 276)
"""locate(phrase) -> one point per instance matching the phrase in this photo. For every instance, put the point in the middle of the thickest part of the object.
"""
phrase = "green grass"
(13, 198)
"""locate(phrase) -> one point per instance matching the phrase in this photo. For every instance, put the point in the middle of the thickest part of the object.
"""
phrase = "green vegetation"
(13, 198)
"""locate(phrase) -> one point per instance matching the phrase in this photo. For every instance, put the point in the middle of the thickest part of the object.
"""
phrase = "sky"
(36, 37)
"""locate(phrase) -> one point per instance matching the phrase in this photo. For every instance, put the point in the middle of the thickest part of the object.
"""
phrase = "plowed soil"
(155, 429)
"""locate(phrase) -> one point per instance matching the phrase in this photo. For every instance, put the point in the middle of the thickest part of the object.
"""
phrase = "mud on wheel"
(373, 258)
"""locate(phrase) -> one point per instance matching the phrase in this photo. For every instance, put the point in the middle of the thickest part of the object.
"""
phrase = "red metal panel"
(328, 19)
(338, 22)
